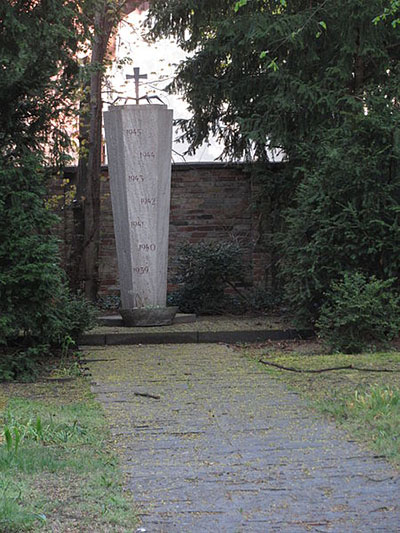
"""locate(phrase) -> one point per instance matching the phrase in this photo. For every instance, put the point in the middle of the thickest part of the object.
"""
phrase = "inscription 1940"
(147, 247)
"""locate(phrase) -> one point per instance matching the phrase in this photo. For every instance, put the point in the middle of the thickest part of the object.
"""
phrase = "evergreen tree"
(320, 82)
(39, 41)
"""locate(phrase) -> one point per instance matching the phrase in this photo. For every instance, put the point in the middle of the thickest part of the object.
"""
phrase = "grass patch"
(366, 404)
(57, 471)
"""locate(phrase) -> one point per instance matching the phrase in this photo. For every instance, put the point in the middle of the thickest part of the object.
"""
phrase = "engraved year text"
(136, 178)
(133, 131)
(141, 270)
(147, 247)
(147, 155)
(148, 201)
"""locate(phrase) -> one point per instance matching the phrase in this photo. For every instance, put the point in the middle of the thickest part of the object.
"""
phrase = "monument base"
(153, 316)
(116, 321)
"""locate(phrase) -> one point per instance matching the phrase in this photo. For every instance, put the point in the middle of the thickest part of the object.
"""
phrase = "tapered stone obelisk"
(139, 141)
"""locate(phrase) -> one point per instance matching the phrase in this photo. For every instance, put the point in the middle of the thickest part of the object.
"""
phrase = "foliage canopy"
(39, 41)
(318, 81)
(269, 74)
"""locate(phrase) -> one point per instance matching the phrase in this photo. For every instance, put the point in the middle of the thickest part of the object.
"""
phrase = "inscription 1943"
(134, 178)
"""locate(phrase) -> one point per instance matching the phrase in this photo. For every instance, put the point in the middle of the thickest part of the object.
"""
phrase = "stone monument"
(139, 142)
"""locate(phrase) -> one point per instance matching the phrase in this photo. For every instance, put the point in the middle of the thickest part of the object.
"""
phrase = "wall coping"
(192, 165)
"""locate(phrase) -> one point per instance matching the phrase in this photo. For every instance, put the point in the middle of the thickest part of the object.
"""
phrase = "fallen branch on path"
(147, 395)
(320, 370)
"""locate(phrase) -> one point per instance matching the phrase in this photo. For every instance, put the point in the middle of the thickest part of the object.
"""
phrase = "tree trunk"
(75, 263)
(87, 210)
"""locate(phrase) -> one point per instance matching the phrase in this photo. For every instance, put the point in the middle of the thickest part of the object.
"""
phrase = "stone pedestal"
(139, 140)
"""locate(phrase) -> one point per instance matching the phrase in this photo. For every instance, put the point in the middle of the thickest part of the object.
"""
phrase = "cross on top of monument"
(137, 77)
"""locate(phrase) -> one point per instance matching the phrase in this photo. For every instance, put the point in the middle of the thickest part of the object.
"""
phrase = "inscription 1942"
(148, 201)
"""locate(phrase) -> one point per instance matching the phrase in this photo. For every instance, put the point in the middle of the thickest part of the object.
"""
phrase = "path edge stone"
(192, 337)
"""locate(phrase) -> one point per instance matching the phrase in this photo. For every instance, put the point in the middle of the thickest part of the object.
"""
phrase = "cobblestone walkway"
(213, 444)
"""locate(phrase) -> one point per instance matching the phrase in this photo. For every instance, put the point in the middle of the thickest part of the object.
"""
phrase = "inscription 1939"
(141, 270)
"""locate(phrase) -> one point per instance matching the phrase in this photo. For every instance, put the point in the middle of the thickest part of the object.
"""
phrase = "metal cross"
(137, 77)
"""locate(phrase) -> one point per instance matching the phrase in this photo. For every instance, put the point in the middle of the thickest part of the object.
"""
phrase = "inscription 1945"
(134, 131)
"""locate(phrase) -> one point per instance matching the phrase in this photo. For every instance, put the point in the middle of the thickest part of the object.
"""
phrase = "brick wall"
(209, 201)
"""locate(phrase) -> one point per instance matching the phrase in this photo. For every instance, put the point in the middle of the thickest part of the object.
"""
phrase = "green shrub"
(20, 366)
(108, 302)
(39, 44)
(205, 270)
(264, 300)
(36, 307)
(79, 315)
(359, 312)
(346, 212)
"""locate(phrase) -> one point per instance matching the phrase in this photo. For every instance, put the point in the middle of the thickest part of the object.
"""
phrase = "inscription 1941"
(137, 223)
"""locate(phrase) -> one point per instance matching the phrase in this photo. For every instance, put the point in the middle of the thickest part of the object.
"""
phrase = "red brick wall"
(209, 201)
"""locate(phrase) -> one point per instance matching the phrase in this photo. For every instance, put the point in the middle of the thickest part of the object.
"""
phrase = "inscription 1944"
(136, 178)
(147, 155)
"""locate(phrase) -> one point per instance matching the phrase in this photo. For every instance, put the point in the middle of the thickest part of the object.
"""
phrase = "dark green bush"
(359, 312)
(78, 314)
(108, 302)
(20, 366)
(346, 213)
(39, 45)
(264, 300)
(205, 270)
(35, 304)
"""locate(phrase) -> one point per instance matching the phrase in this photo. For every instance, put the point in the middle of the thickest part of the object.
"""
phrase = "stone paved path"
(226, 448)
